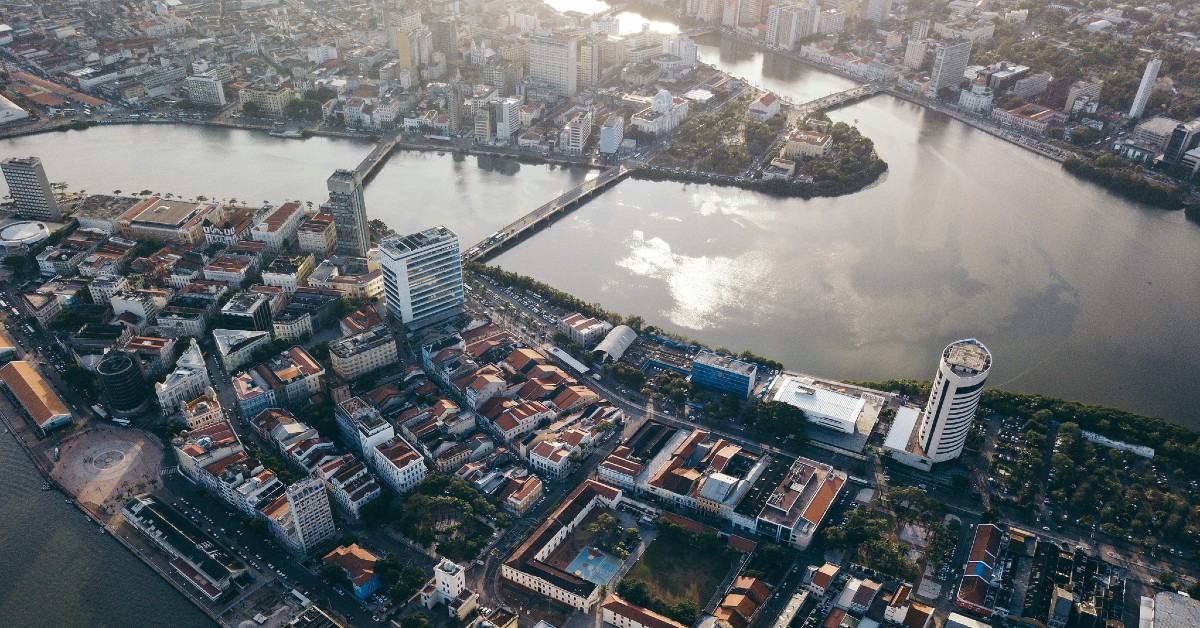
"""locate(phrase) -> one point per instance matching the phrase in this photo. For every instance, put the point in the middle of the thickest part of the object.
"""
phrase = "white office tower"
(311, 517)
(30, 189)
(953, 400)
(1144, 89)
(949, 66)
(554, 61)
(422, 275)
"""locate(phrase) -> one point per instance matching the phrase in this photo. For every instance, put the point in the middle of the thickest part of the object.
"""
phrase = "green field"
(675, 571)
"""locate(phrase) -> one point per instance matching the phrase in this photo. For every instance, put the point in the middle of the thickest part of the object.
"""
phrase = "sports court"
(594, 566)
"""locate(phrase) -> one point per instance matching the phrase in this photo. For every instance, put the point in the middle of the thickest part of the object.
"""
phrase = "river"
(56, 569)
(1079, 294)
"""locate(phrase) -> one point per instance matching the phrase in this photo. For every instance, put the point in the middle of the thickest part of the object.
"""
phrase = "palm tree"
(116, 191)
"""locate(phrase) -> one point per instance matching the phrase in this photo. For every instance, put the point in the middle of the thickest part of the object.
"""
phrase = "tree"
(417, 620)
(332, 572)
(251, 110)
(777, 418)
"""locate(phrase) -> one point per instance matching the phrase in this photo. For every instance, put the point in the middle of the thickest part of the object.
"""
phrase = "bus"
(121, 422)
(100, 411)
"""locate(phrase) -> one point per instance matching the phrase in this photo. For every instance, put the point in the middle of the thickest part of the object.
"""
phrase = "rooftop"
(725, 363)
(400, 246)
(969, 356)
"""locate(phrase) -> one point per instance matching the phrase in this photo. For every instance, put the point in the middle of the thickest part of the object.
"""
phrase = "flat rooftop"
(412, 242)
(162, 213)
(725, 363)
(968, 354)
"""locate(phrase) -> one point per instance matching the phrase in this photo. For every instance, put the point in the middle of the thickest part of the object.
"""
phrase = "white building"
(962, 371)
(105, 286)
(950, 62)
(366, 352)
(583, 330)
(824, 407)
(189, 380)
(612, 133)
(301, 518)
(977, 99)
(554, 61)
(422, 276)
(575, 133)
(279, 227)
(663, 115)
(397, 463)
(1145, 88)
(30, 188)
(205, 90)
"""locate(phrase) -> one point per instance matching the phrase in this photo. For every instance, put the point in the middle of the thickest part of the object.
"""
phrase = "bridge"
(541, 216)
(384, 147)
(833, 100)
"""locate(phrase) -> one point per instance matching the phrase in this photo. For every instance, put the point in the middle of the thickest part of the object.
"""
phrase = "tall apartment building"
(920, 30)
(789, 23)
(30, 189)
(554, 61)
(312, 519)
(949, 66)
(957, 387)
(877, 11)
(422, 276)
(349, 213)
(1145, 87)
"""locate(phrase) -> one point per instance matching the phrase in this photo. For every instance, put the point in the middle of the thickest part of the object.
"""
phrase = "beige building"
(270, 99)
(351, 275)
(318, 235)
(202, 411)
(37, 397)
(357, 355)
(805, 143)
(167, 220)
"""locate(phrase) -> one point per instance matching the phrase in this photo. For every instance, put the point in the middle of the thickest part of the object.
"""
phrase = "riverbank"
(40, 453)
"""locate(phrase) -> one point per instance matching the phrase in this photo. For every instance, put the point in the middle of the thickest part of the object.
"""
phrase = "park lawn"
(674, 570)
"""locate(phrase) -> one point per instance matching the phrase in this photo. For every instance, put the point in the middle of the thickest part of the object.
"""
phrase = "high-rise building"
(445, 37)
(422, 276)
(589, 65)
(877, 11)
(914, 53)
(949, 66)
(312, 518)
(920, 30)
(29, 188)
(554, 61)
(1145, 87)
(349, 213)
(121, 375)
(1082, 89)
(1184, 138)
(789, 23)
(957, 387)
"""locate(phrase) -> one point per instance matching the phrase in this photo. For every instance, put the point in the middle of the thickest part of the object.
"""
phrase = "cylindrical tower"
(121, 375)
(954, 398)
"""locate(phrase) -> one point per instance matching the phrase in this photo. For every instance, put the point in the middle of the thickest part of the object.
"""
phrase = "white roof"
(822, 402)
(568, 360)
(902, 427)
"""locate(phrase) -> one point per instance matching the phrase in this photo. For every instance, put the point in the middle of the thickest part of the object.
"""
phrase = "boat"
(291, 134)
(56, 452)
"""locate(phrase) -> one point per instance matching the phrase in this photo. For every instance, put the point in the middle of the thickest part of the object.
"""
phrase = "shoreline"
(19, 432)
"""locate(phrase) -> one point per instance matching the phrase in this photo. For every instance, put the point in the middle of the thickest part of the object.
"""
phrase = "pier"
(543, 215)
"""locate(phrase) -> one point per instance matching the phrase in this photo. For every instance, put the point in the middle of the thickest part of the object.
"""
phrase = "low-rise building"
(194, 554)
(359, 566)
(724, 373)
(583, 330)
(278, 228)
(352, 275)
(202, 411)
(287, 379)
(1028, 118)
(318, 235)
(166, 220)
(271, 100)
(366, 352)
(288, 271)
(764, 108)
(189, 380)
(803, 143)
(35, 395)
(398, 464)
(235, 346)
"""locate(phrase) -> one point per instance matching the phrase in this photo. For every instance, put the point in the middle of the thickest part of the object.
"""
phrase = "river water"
(56, 569)
(1078, 294)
